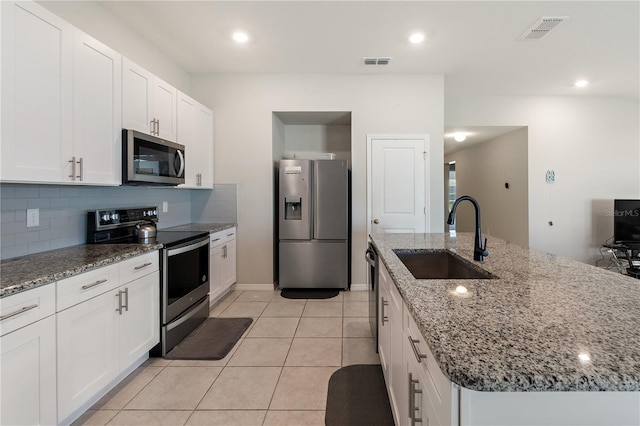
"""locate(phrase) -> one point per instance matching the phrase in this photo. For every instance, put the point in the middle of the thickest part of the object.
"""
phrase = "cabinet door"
(204, 135)
(186, 135)
(37, 87)
(215, 273)
(195, 132)
(164, 108)
(28, 365)
(87, 351)
(97, 111)
(228, 264)
(137, 97)
(139, 326)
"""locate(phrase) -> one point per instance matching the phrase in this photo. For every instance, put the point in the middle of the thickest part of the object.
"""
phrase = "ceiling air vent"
(542, 27)
(377, 61)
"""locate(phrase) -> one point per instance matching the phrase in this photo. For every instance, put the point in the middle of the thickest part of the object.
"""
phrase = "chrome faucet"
(479, 251)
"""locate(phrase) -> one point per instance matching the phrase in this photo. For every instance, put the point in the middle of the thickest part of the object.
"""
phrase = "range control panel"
(123, 217)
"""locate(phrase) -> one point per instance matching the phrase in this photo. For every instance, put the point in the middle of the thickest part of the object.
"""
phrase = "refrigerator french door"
(313, 224)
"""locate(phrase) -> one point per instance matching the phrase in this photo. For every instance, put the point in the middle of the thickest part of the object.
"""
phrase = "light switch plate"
(165, 206)
(33, 218)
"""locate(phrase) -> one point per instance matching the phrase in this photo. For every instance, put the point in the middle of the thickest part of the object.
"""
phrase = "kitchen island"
(547, 327)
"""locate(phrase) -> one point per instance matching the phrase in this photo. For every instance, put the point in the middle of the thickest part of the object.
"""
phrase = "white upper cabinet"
(195, 132)
(148, 103)
(37, 94)
(61, 101)
(97, 114)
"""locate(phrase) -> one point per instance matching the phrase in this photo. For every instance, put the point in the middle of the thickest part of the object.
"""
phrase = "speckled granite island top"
(526, 330)
(204, 227)
(34, 270)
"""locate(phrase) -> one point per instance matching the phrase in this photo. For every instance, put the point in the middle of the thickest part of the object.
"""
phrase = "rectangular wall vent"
(376, 61)
(542, 27)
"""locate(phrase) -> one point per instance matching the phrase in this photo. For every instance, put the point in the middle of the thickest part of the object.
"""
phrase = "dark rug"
(310, 293)
(357, 396)
(212, 340)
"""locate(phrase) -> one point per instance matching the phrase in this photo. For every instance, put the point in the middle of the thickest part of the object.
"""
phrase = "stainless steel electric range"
(184, 266)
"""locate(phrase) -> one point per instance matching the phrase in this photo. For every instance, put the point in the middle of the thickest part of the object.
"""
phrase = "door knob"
(376, 221)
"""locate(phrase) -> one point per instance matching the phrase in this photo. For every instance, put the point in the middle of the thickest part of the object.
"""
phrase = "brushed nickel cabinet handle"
(119, 296)
(416, 352)
(88, 286)
(126, 299)
(73, 168)
(384, 318)
(81, 164)
(18, 312)
(412, 400)
(142, 266)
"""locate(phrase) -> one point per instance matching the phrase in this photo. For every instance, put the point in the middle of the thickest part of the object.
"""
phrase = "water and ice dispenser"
(292, 208)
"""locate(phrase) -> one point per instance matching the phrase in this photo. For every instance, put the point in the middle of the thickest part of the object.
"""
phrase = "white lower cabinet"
(424, 396)
(101, 337)
(390, 343)
(87, 351)
(222, 263)
(28, 358)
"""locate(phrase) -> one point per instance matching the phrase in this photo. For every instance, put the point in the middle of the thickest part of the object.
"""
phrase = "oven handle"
(189, 247)
(194, 311)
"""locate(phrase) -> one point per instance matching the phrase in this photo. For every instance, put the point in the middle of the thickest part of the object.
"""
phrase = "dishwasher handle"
(370, 255)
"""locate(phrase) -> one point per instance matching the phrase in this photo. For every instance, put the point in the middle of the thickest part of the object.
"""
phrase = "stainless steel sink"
(440, 264)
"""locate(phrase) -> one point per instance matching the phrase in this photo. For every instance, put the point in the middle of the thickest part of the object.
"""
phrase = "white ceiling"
(475, 44)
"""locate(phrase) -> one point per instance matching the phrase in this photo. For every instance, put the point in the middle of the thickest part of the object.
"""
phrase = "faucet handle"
(484, 248)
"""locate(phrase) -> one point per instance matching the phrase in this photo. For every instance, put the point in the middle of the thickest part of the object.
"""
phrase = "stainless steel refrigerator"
(313, 224)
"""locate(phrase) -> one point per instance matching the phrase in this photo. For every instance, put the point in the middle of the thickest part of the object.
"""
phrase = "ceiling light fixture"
(459, 137)
(240, 37)
(581, 83)
(416, 38)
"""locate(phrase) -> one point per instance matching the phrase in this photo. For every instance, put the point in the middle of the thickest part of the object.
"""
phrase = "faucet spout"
(479, 250)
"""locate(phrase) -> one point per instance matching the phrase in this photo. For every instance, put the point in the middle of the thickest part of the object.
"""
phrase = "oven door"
(150, 160)
(185, 277)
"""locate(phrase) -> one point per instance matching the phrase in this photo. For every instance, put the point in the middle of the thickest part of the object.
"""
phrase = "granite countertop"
(525, 330)
(204, 227)
(34, 270)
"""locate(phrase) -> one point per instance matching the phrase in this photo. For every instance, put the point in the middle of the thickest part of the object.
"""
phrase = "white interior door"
(397, 184)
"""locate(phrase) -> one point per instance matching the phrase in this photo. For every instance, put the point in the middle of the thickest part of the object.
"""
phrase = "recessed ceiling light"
(584, 357)
(581, 83)
(416, 38)
(459, 137)
(240, 37)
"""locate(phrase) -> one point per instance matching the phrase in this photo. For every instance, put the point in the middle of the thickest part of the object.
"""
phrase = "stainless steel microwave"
(149, 160)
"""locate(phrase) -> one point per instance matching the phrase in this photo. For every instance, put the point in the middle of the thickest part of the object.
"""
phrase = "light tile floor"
(277, 373)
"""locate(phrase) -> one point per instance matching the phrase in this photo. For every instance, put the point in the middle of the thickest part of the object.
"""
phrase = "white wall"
(482, 171)
(243, 106)
(101, 24)
(319, 138)
(592, 144)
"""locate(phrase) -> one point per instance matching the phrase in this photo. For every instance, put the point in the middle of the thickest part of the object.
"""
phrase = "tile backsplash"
(63, 211)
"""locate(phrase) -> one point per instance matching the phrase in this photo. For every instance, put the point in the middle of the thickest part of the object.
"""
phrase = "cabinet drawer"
(27, 307)
(77, 289)
(138, 266)
(437, 387)
(393, 293)
(221, 237)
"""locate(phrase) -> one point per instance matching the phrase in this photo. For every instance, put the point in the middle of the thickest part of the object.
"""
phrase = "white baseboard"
(247, 287)
(359, 287)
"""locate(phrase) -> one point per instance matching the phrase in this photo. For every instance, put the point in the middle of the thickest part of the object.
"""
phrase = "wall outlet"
(165, 206)
(33, 217)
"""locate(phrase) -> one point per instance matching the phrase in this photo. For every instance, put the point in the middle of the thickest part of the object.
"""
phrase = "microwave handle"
(180, 170)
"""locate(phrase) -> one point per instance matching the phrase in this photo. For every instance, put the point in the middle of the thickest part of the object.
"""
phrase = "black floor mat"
(357, 396)
(312, 293)
(212, 340)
